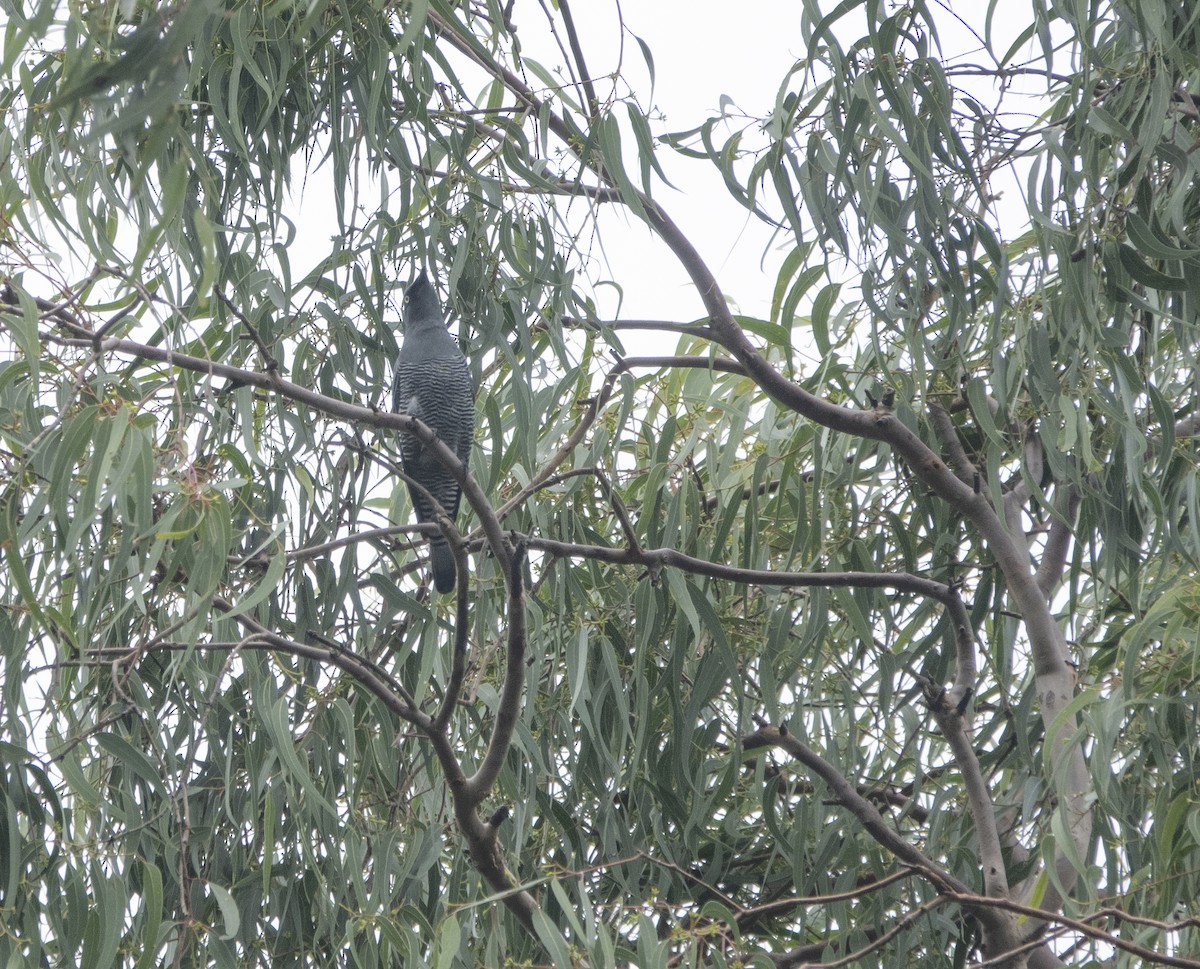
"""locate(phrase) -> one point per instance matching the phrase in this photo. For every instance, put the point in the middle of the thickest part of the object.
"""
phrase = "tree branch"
(999, 928)
(1055, 678)
(667, 326)
(747, 916)
(593, 102)
(658, 558)
(798, 958)
(458, 661)
(979, 799)
(509, 708)
(947, 435)
(863, 810)
(1058, 543)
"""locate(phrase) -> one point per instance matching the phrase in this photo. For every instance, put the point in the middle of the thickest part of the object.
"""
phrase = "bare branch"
(666, 326)
(1058, 543)
(593, 102)
(947, 435)
(509, 708)
(659, 558)
(693, 362)
(269, 360)
(867, 814)
(979, 799)
(786, 961)
(458, 661)
(745, 916)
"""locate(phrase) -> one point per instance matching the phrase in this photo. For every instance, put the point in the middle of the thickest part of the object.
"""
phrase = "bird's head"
(421, 302)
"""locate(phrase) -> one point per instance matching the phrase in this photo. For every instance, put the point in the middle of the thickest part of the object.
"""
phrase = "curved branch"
(332, 406)
(979, 799)
(658, 558)
(509, 708)
(1055, 677)
(458, 661)
(1058, 543)
(370, 676)
(863, 810)
(619, 509)
(465, 794)
(999, 927)
(310, 552)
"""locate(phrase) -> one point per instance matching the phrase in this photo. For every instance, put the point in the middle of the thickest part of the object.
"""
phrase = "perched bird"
(433, 384)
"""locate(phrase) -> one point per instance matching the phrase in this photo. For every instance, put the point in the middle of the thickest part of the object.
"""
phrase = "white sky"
(702, 52)
(705, 50)
(698, 57)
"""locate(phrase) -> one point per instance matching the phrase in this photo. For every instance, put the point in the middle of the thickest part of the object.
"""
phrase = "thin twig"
(585, 78)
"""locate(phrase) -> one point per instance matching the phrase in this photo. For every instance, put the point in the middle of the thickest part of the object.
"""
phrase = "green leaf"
(820, 316)
(550, 937)
(773, 333)
(1146, 274)
(449, 941)
(152, 911)
(230, 916)
(608, 135)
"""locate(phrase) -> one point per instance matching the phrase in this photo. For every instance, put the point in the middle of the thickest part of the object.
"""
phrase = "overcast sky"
(702, 53)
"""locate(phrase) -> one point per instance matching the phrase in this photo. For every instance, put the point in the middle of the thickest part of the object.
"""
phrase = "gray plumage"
(433, 384)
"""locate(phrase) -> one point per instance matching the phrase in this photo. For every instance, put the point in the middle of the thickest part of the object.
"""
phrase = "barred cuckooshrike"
(433, 384)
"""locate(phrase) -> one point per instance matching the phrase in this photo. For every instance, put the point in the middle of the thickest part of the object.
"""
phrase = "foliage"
(849, 630)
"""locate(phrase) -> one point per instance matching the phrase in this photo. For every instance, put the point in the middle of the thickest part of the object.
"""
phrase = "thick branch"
(1055, 679)
(979, 799)
(1058, 543)
(947, 434)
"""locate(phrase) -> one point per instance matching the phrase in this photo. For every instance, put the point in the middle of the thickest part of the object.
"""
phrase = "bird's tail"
(441, 559)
